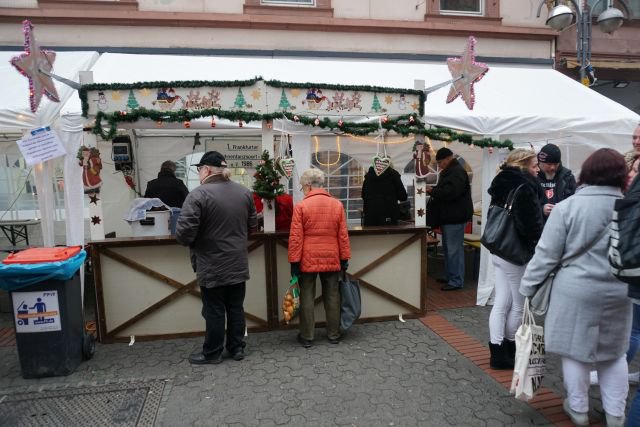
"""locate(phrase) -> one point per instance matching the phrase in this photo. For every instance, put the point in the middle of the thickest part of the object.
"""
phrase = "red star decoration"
(420, 212)
(470, 72)
(93, 198)
(420, 191)
(95, 220)
(30, 63)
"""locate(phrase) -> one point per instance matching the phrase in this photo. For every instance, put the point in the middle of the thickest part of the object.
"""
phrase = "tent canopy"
(15, 114)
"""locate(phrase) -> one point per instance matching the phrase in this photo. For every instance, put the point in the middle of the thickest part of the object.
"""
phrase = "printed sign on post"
(41, 145)
(36, 311)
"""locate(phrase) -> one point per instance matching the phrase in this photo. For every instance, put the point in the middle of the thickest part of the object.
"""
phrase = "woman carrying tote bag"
(589, 317)
(516, 183)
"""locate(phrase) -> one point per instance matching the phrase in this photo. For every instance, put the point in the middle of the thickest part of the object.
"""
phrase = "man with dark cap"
(557, 181)
(215, 222)
(450, 208)
(167, 187)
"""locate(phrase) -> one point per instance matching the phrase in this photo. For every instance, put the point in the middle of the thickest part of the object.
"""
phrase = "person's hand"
(295, 269)
(344, 264)
(546, 209)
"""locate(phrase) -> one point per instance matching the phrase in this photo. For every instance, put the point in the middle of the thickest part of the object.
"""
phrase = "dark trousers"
(330, 297)
(215, 303)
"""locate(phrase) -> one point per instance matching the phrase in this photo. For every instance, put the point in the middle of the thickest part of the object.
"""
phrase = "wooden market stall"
(145, 286)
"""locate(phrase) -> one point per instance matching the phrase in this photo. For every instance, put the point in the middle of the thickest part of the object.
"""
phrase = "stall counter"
(146, 288)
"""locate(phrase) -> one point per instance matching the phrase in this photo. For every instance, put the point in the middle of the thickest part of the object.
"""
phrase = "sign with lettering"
(40, 145)
(36, 311)
(237, 153)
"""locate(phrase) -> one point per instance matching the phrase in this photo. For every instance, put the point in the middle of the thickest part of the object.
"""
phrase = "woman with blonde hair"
(518, 172)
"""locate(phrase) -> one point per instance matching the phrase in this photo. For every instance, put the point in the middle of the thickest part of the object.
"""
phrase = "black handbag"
(500, 235)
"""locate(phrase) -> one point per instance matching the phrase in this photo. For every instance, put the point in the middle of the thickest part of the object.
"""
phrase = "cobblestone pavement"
(381, 374)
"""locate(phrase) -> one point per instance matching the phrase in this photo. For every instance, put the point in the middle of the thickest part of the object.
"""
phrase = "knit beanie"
(550, 153)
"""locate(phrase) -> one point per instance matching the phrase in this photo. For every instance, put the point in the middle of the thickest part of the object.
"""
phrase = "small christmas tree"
(240, 102)
(376, 103)
(284, 102)
(132, 102)
(267, 179)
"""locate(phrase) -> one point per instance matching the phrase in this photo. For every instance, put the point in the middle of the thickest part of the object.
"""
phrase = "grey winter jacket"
(215, 221)
(589, 316)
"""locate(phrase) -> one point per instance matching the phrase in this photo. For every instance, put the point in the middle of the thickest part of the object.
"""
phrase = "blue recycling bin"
(46, 302)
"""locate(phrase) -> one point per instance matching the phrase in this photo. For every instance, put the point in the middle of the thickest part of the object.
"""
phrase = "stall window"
(344, 177)
(18, 192)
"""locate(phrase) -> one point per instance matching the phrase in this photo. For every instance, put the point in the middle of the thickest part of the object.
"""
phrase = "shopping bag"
(291, 300)
(529, 366)
(351, 306)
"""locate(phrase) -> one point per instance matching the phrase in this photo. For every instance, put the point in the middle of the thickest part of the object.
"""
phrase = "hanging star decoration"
(95, 220)
(420, 191)
(29, 65)
(465, 71)
(420, 212)
(93, 198)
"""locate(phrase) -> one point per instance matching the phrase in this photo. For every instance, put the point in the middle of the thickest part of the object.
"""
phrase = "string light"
(317, 143)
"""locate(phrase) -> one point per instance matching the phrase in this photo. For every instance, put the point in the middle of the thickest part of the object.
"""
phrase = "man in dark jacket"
(215, 222)
(558, 183)
(167, 187)
(450, 208)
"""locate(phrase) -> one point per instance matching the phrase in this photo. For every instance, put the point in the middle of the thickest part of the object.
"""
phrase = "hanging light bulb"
(213, 122)
(316, 122)
(186, 124)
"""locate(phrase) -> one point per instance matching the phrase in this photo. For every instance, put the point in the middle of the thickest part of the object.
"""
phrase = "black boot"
(499, 357)
(511, 350)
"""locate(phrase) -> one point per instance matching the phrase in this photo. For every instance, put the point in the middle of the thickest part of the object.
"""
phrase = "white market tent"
(524, 104)
(17, 118)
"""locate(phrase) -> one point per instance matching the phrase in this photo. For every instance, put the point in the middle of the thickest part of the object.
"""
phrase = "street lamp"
(561, 16)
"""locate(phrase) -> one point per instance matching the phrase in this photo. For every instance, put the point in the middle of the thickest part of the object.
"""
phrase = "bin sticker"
(36, 311)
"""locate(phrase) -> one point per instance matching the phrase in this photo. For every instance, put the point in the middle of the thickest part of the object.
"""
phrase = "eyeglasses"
(199, 168)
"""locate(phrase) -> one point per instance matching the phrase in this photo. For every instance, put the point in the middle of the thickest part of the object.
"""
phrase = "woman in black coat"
(520, 167)
(381, 195)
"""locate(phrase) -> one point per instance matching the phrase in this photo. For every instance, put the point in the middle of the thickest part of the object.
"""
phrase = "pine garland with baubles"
(267, 180)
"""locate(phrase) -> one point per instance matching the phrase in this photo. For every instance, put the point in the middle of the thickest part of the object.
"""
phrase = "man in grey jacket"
(215, 222)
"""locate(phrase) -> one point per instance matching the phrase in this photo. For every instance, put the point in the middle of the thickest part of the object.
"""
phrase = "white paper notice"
(36, 311)
(40, 145)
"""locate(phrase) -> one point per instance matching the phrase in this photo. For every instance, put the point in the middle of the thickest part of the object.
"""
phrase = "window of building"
(472, 7)
(289, 2)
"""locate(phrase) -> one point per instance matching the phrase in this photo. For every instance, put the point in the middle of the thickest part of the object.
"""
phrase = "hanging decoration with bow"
(285, 163)
(381, 161)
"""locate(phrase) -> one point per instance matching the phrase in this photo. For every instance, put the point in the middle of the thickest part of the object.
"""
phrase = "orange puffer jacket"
(318, 239)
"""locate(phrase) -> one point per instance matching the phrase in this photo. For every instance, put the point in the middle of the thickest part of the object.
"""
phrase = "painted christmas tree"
(376, 103)
(267, 179)
(132, 102)
(284, 102)
(240, 102)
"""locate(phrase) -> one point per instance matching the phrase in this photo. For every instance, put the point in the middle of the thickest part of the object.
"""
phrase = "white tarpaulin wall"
(16, 118)
(524, 104)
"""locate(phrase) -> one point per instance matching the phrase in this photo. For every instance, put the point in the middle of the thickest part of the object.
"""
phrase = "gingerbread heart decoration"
(381, 164)
(286, 166)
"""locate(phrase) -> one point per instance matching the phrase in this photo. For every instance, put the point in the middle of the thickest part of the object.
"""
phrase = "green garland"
(400, 125)
(403, 125)
(267, 179)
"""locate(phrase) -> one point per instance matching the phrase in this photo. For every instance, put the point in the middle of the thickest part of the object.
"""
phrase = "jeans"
(453, 246)
(633, 418)
(215, 303)
(331, 299)
(506, 314)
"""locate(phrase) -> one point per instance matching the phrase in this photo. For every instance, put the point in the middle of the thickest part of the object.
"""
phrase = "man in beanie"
(450, 208)
(558, 183)
(167, 187)
(215, 222)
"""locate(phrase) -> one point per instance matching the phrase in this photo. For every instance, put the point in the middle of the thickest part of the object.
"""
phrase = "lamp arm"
(540, 8)
(578, 11)
(624, 6)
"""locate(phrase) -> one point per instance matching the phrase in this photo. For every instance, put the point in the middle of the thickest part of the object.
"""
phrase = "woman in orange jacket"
(318, 245)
